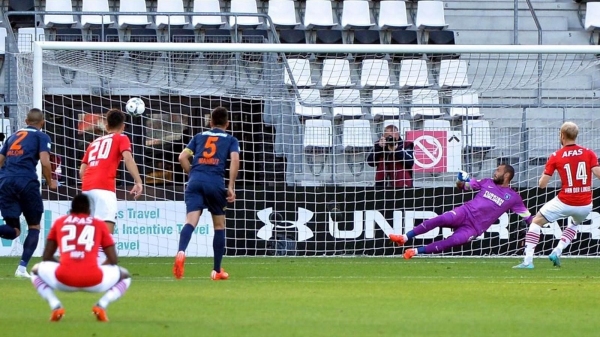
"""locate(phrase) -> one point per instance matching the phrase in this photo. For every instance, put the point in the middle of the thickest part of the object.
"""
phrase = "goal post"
(307, 117)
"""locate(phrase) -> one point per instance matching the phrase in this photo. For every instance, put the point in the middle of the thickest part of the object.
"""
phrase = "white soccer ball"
(135, 106)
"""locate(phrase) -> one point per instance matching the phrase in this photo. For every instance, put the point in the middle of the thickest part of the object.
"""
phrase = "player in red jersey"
(575, 165)
(99, 170)
(78, 236)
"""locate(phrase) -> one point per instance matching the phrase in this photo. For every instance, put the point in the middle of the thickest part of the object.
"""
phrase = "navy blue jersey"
(211, 150)
(22, 151)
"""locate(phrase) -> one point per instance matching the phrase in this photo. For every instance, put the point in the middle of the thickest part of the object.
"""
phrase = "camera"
(389, 140)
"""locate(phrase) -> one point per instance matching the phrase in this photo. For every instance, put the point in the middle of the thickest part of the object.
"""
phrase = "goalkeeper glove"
(463, 176)
(528, 220)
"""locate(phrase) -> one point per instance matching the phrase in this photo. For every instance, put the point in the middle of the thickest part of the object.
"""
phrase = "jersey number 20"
(69, 240)
(580, 174)
(100, 149)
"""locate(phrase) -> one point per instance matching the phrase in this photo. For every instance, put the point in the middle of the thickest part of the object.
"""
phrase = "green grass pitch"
(324, 297)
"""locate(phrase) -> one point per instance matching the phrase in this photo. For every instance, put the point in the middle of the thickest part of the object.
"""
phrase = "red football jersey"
(574, 165)
(78, 237)
(103, 157)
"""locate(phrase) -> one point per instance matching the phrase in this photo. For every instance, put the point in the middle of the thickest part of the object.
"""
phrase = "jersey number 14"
(580, 174)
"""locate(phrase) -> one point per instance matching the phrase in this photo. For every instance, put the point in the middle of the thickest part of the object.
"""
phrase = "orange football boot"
(178, 266)
(399, 239)
(409, 253)
(223, 275)
(57, 314)
(100, 313)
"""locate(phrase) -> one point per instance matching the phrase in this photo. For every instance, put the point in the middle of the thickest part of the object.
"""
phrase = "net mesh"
(306, 124)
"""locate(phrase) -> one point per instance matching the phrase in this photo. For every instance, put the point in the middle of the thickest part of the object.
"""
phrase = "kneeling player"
(78, 236)
(475, 216)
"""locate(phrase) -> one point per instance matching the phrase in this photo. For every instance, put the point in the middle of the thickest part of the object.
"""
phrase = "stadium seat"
(476, 135)
(163, 21)
(413, 74)
(441, 37)
(329, 36)
(356, 15)
(133, 21)
(283, 14)
(243, 6)
(385, 103)
(436, 125)
(66, 35)
(26, 37)
(459, 97)
(346, 103)
(21, 21)
(255, 36)
(357, 140)
(392, 15)
(309, 96)
(375, 73)
(54, 20)
(2, 41)
(179, 35)
(336, 73)
(292, 36)
(318, 140)
(453, 74)
(141, 35)
(366, 37)
(101, 35)
(318, 14)
(206, 21)
(427, 97)
(301, 73)
(592, 16)
(430, 15)
(88, 20)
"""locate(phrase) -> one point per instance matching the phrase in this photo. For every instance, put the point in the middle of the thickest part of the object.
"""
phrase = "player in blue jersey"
(470, 220)
(20, 186)
(206, 186)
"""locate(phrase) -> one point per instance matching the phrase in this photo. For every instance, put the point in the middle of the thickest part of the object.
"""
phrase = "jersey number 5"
(210, 147)
(581, 173)
(69, 241)
(100, 149)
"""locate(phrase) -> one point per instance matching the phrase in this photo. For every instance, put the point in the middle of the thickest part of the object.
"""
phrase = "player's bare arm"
(595, 171)
(49, 250)
(47, 170)
(233, 172)
(460, 185)
(184, 160)
(82, 169)
(132, 168)
(111, 255)
(544, 180)
(2, 159)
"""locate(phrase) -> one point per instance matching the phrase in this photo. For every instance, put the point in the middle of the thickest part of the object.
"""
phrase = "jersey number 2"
(69, 241)
(17, 144)
(100, 149)
(580, 174)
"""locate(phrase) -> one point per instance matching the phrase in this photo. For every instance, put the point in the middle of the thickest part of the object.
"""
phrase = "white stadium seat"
(318, 133)
(425, 97)
(375, 73)
(318, 13)
(336, 72)
(350, 99)
(88, 20)
(385, 103)
(356, 15)
(453, 74)
(283, 13)
(138, 6)
(243, 6)
(309, 96)
(460, 97)
(174, 6)
(392, 14)
(301, 73)
(413, 74)
(2, 40)
(357, 134)
(430, 15)
(476, 134)
(26, 36)
(436, 125)
(53, 20)
(207, 21)
(592, 16)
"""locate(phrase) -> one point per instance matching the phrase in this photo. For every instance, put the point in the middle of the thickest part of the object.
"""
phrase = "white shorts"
(103, 204)
(555, 210)
(111, 274)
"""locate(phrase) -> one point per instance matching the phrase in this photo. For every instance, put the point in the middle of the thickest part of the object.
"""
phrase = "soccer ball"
(135, 107)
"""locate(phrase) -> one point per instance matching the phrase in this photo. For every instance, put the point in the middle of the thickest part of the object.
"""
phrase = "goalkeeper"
(470, 220)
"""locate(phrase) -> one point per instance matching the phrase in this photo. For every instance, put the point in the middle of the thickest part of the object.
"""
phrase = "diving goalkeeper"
(470, 220)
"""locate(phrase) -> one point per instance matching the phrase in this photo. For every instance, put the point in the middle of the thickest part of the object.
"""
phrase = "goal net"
(307, 117)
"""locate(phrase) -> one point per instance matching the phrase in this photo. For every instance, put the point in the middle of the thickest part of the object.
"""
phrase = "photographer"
(393, 160)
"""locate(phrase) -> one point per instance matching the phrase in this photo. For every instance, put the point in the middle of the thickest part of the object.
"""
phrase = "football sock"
(421, 250)
(218, 248)
(567, 236)
(531, 240)
(45, 291)
(7, 232)
(185, 236)
(114, 293)
(409, 235)
(29, 246)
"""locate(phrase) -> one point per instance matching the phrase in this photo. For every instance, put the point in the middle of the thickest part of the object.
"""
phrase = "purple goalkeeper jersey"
(491, 201)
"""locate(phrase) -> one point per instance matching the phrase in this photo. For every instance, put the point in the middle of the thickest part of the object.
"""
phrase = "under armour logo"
(304, 216)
